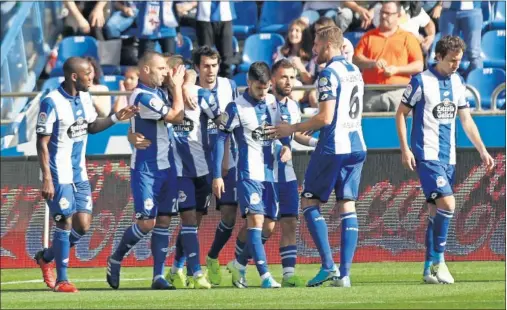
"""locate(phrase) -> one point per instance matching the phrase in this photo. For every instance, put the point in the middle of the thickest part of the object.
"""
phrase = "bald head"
(152, 69)
(149, 58)
(74, 65)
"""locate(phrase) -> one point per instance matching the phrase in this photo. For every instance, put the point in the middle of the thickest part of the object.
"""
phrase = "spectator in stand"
(121, 19)
(412, 18)
(157, 22)
(354, 15)
(187, 12)
(85, 18)
(102, 104)
(128, 84)
(464, 17)
(434, 10)
(387, 55)
(313, 10)
(214, 28)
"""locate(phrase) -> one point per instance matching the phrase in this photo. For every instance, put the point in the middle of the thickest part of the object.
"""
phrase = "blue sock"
(318, 229)
(440, 228)
(240, 247)
(61, 248)
(222, 235)
(191, 247)
(159, 249)
(254, 241)
(131, 237)
(179, 255)
(246, 254)
(288, 254)
(349, 236)
(428, 257)
(74, 237)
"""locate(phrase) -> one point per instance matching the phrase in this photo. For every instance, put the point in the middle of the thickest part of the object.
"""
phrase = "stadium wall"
(391, 212)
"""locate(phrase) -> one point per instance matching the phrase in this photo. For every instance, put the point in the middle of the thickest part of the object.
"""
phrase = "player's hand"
(488, 160)
(283, 130)
(138, 140)
(285, 154)
(96, 18)
(390, 71)
(408, 159)
(188, 98)
(381, 63)
(127, 112)
(218, 187)
(176, 76)
(48, 189)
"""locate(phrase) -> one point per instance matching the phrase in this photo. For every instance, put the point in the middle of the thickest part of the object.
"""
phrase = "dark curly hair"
(449, 44)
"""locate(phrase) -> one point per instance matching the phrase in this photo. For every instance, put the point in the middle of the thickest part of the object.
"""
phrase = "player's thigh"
(250, 197)
(202, 193)
(320, 177)
(230, 197)
(167, 194)
(347, 184)
(83, 197)
(270, 201)
(288, 198)
(63, 205)
(434, 180)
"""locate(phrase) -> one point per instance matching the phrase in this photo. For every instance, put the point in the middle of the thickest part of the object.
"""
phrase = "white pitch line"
(77, 280)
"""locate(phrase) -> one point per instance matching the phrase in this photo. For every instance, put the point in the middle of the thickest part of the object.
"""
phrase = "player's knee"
(306, 202)
(188, 217)
(288, 225)
(268, 227)
(163, 221)
(346, 206)
(446, 203)
(146, 225)
(228, 214)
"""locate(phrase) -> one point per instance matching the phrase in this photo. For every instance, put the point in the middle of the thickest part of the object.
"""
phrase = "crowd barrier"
(391, 211)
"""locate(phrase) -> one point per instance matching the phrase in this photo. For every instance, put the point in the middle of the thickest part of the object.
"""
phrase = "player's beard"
(282, 91)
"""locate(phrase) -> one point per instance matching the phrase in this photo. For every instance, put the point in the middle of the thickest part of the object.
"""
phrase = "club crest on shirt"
(255, 199)
(441, 182)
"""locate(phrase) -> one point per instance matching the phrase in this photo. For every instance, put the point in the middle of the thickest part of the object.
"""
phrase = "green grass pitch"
(479, 285)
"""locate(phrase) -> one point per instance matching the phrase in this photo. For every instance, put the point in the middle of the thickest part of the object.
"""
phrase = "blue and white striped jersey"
(192, 152)
(435, 100)
(215, 11)
(65, 118)
(156, 19)
(246, 118)
(153, 106)
(225, 91)
(342, 81)
(284, 172)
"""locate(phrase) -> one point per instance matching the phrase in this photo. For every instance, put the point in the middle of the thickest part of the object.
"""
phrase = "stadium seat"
(354, 37)
(113, 83)
(189, 32)
(487, 11)
(485, 81)
(186, 49)
(52, 83)
(260, 47)
(111, 70)
(499, 10)
(277, 15)
(493, 49)
(74, 46)
(240, 79)
(246, 18)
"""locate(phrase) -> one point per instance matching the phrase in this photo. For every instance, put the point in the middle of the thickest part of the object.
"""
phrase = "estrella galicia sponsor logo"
(185, 128)
(446, 110)
(78, 129)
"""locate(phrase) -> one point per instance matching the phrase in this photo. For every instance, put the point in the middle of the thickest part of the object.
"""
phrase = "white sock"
(265, 276)
(238, 265)
(288, 272)
(175, 269)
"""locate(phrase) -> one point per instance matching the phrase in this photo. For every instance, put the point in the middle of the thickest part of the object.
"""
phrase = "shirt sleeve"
(46, 117)
(462, 101)
(208, 103)
(327, 86)
(230, 118)
(413, 92)
(151, 107)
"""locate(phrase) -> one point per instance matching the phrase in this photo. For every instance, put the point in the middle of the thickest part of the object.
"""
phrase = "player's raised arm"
(176, 112)
(101, 124)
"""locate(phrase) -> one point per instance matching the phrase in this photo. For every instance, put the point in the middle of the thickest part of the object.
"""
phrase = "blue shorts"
(437, 179)
(341, 172)
(289, 198)
(257, 197)
(230, 197)
(194, 193)
(155, 193)
(69, 199)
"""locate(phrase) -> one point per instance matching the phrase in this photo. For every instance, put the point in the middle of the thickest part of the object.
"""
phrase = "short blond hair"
(175, 61)
(331, 34)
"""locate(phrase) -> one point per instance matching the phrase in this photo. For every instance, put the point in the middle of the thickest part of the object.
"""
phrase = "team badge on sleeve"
(323, 81)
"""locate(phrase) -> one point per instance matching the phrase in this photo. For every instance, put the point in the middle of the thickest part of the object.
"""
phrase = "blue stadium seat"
(499, 10)
(113, 83)
(486, 80)
(240, 79)
(493, 49)
(277, 15)
(260, 47)
(74, 46)
(246, 18)
(487, 11)
(189, 32)
(111, 69)
(186, 49)
(354, 37)
(52, 83)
